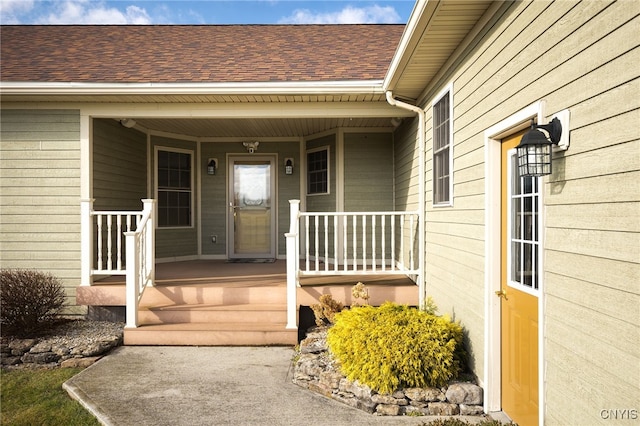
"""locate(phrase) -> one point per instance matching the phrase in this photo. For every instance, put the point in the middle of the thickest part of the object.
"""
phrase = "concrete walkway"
(167, 385)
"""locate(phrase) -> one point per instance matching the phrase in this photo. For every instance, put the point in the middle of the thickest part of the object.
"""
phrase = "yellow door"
(519, 289)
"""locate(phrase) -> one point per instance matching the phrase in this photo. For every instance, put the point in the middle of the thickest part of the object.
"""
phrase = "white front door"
(252, 221)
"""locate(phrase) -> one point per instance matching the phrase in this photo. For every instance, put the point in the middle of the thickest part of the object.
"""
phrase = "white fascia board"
(408, 42)
(257, 88)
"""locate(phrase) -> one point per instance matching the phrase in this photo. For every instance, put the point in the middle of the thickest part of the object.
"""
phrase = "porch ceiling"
(257, 127)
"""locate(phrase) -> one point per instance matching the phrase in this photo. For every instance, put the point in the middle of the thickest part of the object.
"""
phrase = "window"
(442, 150)
(174, 183)
(524, 229)
(318, 171)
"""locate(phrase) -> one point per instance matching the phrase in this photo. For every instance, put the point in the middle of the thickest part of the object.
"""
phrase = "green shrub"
(395, 346)
(30, 301)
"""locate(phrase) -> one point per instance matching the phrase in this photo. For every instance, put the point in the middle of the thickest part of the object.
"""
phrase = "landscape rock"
(387, 410)
(424, 394)
(443, 409)
(464, 393)
(471, 410)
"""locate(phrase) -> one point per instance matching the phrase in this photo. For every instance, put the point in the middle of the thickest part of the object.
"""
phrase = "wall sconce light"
(251, 146)
(128, 122)
(534, 150)
(288, 166)
(212, 166)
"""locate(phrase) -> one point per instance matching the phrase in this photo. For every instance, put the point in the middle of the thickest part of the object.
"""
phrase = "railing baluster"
(364, 242)
(345, 248)
(373, 242)
(335, 243)
(326, 242)
(383, 238)
(393, 241)
(109, 243)
(119, 241)
(317, 243)
(355, 243)
(307, 241)
(99, 241)
(402, 240)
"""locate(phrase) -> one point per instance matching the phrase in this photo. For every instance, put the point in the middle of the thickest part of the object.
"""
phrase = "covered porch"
(218, 302)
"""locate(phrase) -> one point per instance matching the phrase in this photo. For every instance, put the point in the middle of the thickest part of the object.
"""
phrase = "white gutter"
(254, 88)
(421, 200)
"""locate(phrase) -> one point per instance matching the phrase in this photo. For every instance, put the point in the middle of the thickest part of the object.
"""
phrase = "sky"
(160, 12)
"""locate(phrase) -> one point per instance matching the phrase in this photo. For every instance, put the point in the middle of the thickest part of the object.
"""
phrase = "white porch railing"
(124, 243)
(349, 243)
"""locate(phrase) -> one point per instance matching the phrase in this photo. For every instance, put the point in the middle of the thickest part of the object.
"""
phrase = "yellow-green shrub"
(395, 346)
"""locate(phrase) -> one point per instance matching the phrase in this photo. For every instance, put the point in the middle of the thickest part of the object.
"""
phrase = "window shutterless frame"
(174, 182)
(318, 171)
(442, 110)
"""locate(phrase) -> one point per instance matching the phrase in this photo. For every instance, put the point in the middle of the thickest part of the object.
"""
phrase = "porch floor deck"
(214, 302)
(236, 274)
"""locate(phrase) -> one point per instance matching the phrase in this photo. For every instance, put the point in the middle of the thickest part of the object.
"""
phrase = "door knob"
(502, 293)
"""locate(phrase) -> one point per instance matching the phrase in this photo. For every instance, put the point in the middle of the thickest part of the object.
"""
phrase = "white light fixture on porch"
(251, 146)
(212, 166)
(128, 122)
(288, 166)
(534, 150)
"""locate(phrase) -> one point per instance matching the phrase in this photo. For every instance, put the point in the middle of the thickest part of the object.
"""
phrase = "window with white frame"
(442, 149)
(524, 229)
(174, 187)
(318, 171)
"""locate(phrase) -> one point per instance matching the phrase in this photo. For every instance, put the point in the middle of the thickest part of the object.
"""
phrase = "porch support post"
(86, 241)
(150, 240)
(133, 280)
(293, 263)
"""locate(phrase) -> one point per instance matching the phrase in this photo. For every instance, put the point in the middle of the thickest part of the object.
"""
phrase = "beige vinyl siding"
(119, 166)
(368, 172)
(177, 242)
(580, 56)
(406, 175)
(40, 193)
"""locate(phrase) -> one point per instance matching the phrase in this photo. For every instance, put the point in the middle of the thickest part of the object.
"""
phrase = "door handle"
(502, 293)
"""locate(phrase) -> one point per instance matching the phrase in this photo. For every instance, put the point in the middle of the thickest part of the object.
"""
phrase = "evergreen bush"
(30, 301)
(396, 346)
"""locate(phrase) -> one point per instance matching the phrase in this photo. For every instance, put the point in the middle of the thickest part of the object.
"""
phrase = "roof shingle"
(208, 53)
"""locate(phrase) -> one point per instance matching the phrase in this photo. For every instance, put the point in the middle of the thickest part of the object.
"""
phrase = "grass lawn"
(36, 397)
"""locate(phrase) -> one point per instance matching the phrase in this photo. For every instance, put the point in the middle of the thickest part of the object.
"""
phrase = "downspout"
(421, 185)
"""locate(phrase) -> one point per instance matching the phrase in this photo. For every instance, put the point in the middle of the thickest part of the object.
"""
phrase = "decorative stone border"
(74, 344)
(315, 370)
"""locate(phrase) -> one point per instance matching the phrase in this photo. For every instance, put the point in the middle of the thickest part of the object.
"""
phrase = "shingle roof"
(211, 53)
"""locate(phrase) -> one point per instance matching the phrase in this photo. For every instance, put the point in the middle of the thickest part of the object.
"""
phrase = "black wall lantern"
(288, 166)
(212, 166)
(534, 150)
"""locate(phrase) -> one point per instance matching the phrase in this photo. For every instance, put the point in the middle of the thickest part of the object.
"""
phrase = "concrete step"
(271, 313)
(210, 334)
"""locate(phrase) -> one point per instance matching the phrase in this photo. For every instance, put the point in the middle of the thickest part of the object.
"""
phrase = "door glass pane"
(252, 208)
(523, 201)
